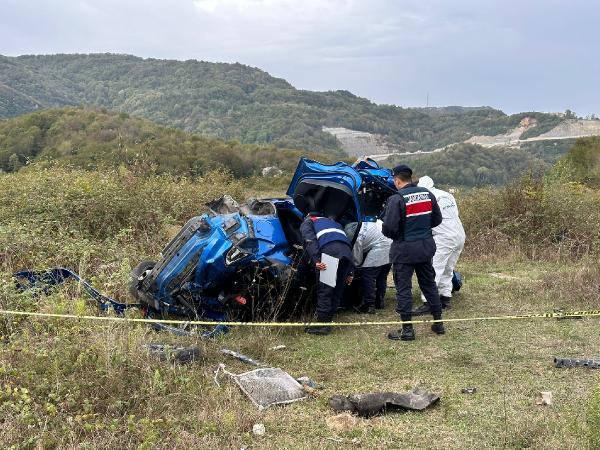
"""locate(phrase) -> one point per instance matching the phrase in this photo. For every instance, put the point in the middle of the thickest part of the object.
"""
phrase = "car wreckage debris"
(308, 382)
(571, 362)
(267, 386)
(172, 353)
(241, 357)
(370, 404)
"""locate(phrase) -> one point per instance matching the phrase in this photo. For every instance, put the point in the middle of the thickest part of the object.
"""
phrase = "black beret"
(402, 169)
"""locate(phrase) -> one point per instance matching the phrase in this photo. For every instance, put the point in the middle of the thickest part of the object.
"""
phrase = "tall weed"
(541, 219)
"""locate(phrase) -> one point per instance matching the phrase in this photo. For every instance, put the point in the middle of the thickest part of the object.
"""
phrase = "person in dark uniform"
(408, 219)
(324, 235)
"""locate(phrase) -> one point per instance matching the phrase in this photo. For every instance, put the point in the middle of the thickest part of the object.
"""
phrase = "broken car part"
(269, 386)
(241, 357)
(174, 353)
(370, 404)
(571, 362)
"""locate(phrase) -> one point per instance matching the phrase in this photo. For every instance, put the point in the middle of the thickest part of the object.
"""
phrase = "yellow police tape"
(557, 315)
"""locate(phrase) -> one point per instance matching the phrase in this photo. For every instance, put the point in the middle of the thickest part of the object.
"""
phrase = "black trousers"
(403, 273)
(329, 298)
(374, 285)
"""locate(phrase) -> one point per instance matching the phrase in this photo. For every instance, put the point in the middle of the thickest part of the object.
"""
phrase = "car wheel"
(138, 271)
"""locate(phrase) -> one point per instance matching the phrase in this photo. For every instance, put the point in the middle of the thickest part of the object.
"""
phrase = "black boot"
(422, 310)
(320, 331)
(363, 308)
(446, 302)
(407, 333)
(438, 328)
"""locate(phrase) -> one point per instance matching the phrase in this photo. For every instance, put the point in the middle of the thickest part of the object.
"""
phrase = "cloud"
(511, 54)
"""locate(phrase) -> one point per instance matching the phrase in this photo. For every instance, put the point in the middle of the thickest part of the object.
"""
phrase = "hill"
(233, 101)
(472, 165)
(97, 139)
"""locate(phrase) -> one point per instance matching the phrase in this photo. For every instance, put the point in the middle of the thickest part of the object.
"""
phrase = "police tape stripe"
(558, 315)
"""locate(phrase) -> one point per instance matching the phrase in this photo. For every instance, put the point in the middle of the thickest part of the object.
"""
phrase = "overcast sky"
(516, 55)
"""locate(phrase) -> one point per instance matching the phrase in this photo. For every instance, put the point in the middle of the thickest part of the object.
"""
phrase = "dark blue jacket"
(317, 232)
(408, 219)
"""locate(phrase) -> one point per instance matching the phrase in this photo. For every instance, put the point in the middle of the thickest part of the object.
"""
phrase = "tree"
(14, 163)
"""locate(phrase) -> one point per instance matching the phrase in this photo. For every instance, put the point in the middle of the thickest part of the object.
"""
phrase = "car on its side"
(242, 262)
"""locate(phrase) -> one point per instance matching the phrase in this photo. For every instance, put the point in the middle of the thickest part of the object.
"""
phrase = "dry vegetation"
(67, 384)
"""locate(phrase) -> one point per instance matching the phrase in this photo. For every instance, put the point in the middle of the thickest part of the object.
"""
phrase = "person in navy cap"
(408, 219)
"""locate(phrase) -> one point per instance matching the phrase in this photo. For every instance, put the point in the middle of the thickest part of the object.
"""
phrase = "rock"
(259, 429)
(272, 171)
(544, 398)
(342, 422)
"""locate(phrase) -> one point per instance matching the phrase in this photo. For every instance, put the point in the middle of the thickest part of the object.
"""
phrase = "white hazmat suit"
(449, 238)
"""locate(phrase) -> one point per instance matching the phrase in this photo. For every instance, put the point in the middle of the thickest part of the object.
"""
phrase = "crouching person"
(322, 235)
(371, 253)
(408, 219)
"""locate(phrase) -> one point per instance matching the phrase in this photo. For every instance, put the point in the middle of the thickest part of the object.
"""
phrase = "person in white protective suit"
(371, 253)
(449, 239)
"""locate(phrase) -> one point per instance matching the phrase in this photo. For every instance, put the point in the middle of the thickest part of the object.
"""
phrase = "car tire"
(136, 273)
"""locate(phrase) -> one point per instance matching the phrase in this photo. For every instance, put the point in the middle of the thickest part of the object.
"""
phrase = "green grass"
(77, 384)
(90, 385)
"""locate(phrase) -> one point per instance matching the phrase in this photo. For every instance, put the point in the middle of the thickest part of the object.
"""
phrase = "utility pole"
(427, 100)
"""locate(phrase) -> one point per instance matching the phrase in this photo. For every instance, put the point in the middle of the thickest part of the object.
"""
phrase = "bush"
(97, 222)
(541, 217)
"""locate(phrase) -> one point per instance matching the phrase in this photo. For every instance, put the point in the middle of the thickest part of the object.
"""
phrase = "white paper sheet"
(329, 275)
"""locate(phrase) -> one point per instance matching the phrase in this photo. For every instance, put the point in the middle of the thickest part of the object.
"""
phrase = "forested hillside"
(96, 139)
(474, 165)
(232, 101)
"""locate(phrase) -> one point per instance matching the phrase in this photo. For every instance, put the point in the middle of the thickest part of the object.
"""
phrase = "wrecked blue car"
(244, 262)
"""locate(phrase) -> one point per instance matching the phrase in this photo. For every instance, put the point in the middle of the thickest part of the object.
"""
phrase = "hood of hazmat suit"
(450, 232)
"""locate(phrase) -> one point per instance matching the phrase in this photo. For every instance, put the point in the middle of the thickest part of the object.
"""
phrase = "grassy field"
(76, 384)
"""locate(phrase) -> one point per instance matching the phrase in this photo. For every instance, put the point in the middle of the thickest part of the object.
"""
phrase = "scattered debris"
(259, 429)
(269, 386)
(370, 404)
(308, 382)
(570, 362)
(342, 422)
(278, 347)
(544, 398)
(469, 390)
(223, 205)
(172, 353)
(309, 385)
(241, 357)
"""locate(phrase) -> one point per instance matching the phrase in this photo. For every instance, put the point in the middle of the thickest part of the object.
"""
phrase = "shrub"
(540, 217)
(96, 222)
